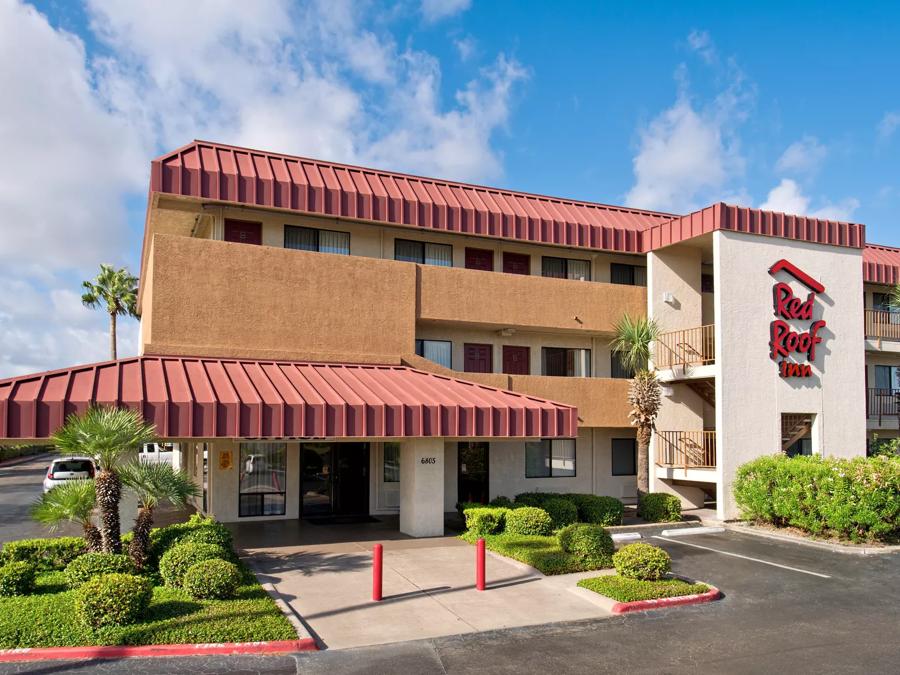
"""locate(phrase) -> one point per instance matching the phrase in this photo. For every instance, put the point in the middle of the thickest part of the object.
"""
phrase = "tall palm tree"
(72, 501)
(116, 291)
(633, 343)
(153, 483)
(106, 434)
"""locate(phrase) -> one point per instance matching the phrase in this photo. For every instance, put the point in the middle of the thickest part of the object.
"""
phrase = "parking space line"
(744, 557)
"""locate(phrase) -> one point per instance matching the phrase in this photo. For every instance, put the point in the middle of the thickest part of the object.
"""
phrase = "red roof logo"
(798, 274)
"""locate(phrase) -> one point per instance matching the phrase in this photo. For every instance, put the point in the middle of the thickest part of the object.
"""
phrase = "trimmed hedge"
(642, 561)
(181, 557)
(212, 579)
(505, 502)
(561, 511)
(482, 520)
(659, 507)
(198, 530)
(17, 578)
(91, 565)
(112, 600)
(598, 509)
(590, 542)
(44, 554)
(854, 498)
(624, 589)
(462, 506)
(529, 520)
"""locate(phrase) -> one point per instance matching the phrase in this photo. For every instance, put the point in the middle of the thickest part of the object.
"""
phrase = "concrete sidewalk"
(428, 591)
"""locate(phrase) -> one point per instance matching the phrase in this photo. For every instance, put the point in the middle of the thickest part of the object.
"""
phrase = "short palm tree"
(74, 502)
(153, 483)
(633, 343)
(108, 435)
(116, 291)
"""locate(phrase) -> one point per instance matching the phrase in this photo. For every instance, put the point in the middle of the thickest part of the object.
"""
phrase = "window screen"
(618, 369)
(262, 480)
(624, 457)
(562, 457)
(566, 268)
(439, 351)
(546, 458)
(310, 239)
(423, 253)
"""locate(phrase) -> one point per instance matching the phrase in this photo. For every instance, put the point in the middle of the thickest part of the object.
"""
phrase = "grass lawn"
(46, 618)
(629, 590)
(542, 553)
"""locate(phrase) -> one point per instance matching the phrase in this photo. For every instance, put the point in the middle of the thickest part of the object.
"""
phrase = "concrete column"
(422, 487)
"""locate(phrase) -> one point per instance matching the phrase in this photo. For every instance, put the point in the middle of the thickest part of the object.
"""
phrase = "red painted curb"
(126, 651)
(641, 605)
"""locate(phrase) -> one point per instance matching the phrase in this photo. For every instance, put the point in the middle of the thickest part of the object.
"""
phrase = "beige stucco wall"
(750, 395)
(676, 270)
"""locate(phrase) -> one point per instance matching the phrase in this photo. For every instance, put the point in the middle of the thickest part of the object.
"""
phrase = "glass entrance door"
(334, 479)
(473, 473)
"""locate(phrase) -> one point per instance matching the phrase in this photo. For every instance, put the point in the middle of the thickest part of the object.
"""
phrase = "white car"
(157, 453)
(68, 468)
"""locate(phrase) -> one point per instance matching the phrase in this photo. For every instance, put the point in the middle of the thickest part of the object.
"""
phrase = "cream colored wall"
(750, 395)
(422, 468)
(676, 270)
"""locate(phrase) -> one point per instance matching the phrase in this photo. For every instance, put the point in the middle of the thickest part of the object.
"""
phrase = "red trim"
(641, 605)
(126, 651)
(798, 274)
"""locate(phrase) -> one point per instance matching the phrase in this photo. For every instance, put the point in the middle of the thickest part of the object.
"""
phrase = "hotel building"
(324, 340)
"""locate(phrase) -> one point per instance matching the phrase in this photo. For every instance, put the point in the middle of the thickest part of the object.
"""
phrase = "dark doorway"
(334, 479)
(478, 358)
(516, 263)
(243, 232)
(472, 483)
(479, 259)
(516, 360)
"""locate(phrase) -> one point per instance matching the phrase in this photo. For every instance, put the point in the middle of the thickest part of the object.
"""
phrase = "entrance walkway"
(325, 574)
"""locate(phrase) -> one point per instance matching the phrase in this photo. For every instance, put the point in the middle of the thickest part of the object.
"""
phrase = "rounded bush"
(659, 507)
(180, 558)
(535, 499)
(485, 520)
(590, 542)
(92, 565)
(529, 520)
(198, 530)
(212, 579)
(561, 511)
(598, 509)
(16, 578)
(112, 600)
(642, 561)
(505, 502)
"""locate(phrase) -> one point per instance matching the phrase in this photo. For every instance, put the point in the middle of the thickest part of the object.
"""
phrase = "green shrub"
(212, 579)
(505, 502)
(16, 578)
(529, 520)
(112, 600)
(642, 561)
(589, 542)
(482, 520)
(198, 529)
(597, 509)
(44, 554)
(462, 506)
(659, 507)
(181, 557)
(851, 498)
(561, 511)
(624, 589)
(535, 499)
(92, 565)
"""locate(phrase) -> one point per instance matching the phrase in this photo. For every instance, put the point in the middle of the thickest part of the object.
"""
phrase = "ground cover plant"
(623, 589)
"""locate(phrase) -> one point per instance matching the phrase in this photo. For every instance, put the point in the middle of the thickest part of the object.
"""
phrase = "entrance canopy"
(194, 397)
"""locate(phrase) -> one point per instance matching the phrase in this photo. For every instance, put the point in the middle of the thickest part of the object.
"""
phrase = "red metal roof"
(189, 397)
(881, 264)
(227, 173)
(753, 221)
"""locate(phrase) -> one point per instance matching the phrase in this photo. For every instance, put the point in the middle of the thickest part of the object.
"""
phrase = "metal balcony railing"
(882, 324)
(686, 449)
(882, 403)
(687, 347)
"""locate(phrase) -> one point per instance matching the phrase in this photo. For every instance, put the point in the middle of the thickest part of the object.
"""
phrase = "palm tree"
(633, 344)
(116, 290)
(106, 434)
(153, 483)
(73, 501)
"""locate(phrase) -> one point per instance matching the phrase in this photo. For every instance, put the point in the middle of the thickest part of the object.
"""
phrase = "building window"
(550, 458)
(624, 457)
(261, 486)
(707, 283)
(321, 241)
(391, 462)
(566, 268)
(887, 378)
(438, 351)
(628, 275)
(618, 369)
(424, 253)
(565, 362)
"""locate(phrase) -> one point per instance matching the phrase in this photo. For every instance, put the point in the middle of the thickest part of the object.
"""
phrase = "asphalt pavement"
(20, 486)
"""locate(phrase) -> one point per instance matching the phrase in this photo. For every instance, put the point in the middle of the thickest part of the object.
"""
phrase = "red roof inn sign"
(794, 351)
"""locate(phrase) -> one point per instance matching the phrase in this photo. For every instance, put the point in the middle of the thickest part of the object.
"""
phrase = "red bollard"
(479, 565)
(377, 556)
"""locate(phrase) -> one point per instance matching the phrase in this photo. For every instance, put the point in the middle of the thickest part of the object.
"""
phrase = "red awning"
(189, 397)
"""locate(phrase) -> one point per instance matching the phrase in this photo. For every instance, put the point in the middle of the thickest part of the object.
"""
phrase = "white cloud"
(802, 157)
(701, 42)
(466, 46)
(788, 197)
(436, 10)
(888, 125)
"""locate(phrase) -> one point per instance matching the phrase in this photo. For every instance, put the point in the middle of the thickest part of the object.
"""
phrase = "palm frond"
(155, 483)
(72, 501)
(633, 341)
(104, 433)
(894, 297)
(114, 288)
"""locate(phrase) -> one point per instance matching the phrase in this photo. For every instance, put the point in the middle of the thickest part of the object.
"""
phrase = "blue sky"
(661, 105)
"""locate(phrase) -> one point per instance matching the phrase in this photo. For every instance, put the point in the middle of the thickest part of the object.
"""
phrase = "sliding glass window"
(550, 458)
(263, 474)
(566, 268)
(424, 253)
(438, 351)
(311, 239)
(566, 362)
